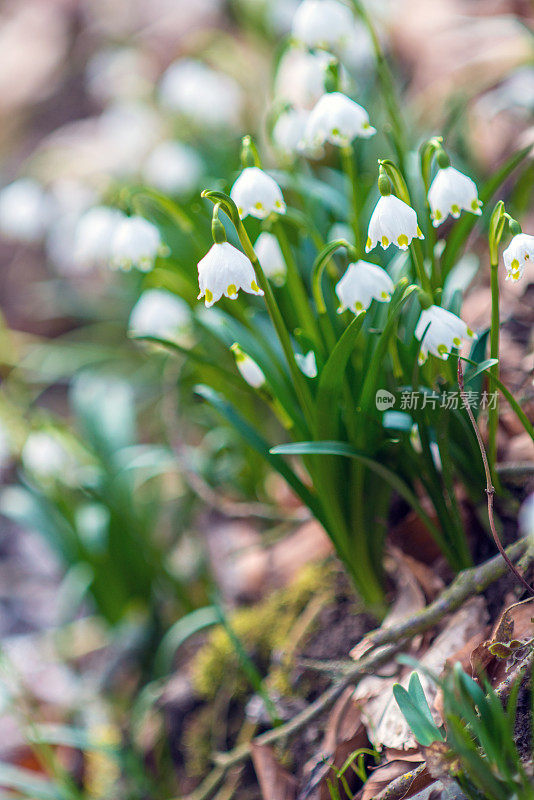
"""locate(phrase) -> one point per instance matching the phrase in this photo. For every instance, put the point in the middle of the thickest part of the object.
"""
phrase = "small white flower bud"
(248, 368)
(307, 364)
(270, 257)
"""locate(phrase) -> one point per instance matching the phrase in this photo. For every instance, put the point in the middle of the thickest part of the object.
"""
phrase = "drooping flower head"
(301, 75)
(257, 194)
(223, 271)
(270, 257)
(336, 119)
(451, 192)
(362, 283)
(322, 23)
(288, 130)
(517, 255)
(440, 331)
(248, 368)
(159, 313)
(392, 222)
(136, 243)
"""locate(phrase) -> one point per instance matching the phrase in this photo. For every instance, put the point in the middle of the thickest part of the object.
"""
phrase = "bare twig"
(490, 489)
(469, 582)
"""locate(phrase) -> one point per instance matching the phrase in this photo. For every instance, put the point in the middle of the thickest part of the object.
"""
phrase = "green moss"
(262, 629)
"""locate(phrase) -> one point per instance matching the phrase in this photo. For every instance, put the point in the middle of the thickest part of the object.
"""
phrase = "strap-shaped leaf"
(332, 378)
(424, 731)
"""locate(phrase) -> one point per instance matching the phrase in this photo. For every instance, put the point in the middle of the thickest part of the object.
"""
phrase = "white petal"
(257, 194)
(223, 271)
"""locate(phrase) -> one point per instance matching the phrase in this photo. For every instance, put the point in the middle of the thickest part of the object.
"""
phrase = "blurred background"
(124, 506)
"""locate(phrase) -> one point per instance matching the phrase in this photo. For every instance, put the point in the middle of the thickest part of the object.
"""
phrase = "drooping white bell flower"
(94, 235)
(300, 77)
(288, 130)
(517, 255)
(25, 211)
(206, 96)
(362, 283)
(322, 23)
(248, 368)
(159, 313)
(136, 243)
(173, 168)
(270, 257)
(444, 331)
(307, 364)
(449, 193)
(257, 194)
(223, 271)
(336, 119)
(392, 222)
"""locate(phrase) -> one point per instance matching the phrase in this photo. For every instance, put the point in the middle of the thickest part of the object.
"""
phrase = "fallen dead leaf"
(275, 782)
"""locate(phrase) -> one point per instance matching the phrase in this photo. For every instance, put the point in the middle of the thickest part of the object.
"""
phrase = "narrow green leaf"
(424, 731)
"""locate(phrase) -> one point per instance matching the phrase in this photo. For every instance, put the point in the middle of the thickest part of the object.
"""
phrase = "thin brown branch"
(490, 489)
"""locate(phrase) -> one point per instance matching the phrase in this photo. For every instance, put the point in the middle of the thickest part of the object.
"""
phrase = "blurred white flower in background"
(127, 132)
(71, 200)
(517, 255)
(223, 271)
(300, 77)
(442, 331)
(449, 193)
(270, 257)
(322, 23)
(288, 130)
(362, 283)
(120, 73)
(526, 517)
(174, 168)
(393, 222)
(307, 363)
(336, 119)
(205, 95)
(256, 193)
(25, 210)
(159, 313)
(5, 446)
(136, 243)
(340, 230)
(45, 456)
(93, 236)
(248, 368)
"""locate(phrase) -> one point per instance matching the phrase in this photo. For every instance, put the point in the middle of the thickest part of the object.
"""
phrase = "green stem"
(296, 286)
(422, 276)
(493, 412)
(349, 167)
(301, 386)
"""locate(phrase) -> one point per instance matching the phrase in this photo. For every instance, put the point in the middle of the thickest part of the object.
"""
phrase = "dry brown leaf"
(495, 655)
(386, 725)
(405, 773)
(275, 782)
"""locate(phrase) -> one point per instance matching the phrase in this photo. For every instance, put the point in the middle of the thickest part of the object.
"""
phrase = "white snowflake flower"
(449, 193)
(517, 255)
(173, 168)
(136, 243)
(336, 119)
(444, 331)
(362, 283)
(248, 368)
(223, 271)
(392, 222)
(270, 257)
(323, 23)
(257, 194)
(307, 364)
(93, 236)
(24, 211)
(159, 313)
(206, 96)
